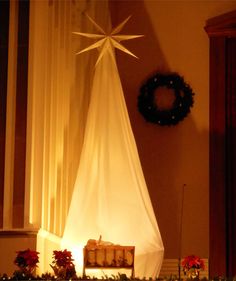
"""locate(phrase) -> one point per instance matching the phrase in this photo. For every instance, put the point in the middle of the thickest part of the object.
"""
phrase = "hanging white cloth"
(110, 195)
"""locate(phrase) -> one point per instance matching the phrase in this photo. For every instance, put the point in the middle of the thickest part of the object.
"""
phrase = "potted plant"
(26, 262)
(63, 265)
(192, 265)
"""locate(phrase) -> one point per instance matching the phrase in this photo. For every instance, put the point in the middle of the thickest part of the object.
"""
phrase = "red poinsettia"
(192, 262)
(62, 264)
(27, 260)
(62, 258)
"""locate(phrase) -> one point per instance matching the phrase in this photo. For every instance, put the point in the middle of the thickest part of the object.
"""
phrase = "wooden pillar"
(20, 109)
(231, 157)
(222, 33)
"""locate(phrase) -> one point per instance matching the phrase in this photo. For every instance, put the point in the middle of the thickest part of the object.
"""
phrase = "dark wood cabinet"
(222, 35)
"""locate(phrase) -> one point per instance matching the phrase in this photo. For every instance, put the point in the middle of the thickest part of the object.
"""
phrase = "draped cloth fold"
(110, 196)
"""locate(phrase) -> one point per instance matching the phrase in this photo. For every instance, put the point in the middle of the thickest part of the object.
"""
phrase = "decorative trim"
(222, 25)
(18, 233)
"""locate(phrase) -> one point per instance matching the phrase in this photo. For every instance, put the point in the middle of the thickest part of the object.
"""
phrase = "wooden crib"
(109, 257)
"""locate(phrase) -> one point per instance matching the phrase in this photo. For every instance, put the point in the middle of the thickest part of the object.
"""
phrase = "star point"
(108, 41)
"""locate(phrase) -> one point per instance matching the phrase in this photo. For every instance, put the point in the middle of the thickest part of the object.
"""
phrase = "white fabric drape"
(110, 196)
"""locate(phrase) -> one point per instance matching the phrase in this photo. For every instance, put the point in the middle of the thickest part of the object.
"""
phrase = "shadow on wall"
(170, 156)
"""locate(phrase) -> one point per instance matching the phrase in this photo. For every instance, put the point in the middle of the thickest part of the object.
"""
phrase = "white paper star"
(108, 42)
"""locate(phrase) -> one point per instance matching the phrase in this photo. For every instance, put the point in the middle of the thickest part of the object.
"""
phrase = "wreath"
(183, 99)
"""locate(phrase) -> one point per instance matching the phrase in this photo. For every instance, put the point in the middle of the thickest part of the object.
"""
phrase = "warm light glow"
(46, 244)
(110, 195)
(77, 254)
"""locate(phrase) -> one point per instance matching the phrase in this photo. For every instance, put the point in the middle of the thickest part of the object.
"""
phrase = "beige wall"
(175, 41)
(10, 243)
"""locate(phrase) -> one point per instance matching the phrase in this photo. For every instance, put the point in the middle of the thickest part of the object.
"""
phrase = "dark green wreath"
(181, 106)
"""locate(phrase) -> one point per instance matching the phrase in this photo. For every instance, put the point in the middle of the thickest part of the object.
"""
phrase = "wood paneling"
(217, 158)
(231, 156)
(21, 115)
(222, 33)
(4, 31)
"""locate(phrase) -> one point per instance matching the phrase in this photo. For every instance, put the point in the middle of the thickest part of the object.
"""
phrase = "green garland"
(181, 105)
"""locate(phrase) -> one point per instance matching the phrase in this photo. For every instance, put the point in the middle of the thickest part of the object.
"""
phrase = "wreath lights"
(183, 99)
